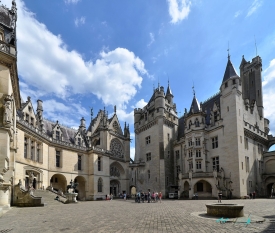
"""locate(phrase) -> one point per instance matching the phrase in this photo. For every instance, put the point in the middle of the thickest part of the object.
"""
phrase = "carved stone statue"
(72, 186)
(7, 118)
(31, 178)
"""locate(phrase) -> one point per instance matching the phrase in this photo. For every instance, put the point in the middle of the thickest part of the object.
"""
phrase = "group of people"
(252, 195)
(109, 197)
(148, 197)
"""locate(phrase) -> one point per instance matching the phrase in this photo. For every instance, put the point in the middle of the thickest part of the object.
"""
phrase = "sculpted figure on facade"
(7, 118)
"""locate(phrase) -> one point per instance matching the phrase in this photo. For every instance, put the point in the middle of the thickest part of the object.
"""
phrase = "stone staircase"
(48, 197)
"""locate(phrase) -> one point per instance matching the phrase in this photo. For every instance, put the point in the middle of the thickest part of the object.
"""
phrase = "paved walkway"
(127, 216)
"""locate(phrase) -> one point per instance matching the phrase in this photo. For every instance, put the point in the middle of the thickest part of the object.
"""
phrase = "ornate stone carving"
(116, 148)
(114, 172)
(8, 116)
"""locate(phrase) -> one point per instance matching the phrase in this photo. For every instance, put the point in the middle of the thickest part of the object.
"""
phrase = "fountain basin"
(225, 210)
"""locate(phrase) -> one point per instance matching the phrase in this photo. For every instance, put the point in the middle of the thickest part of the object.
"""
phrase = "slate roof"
(195, 105)
(207, 106)
(168, 92)
(229, 71)
(5, 17)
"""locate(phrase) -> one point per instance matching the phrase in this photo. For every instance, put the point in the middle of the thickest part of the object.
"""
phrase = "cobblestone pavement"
(127, 216)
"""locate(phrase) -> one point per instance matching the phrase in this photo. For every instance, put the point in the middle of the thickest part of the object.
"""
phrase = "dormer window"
(30, 108)
(32, 120)
(215, 116)
(190, 123)
(234, 81)
(226, 85)
(27, 118)
(79, 141)
(57, 135)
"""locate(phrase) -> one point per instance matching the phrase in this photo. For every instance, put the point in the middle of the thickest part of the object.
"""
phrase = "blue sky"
(77, 54)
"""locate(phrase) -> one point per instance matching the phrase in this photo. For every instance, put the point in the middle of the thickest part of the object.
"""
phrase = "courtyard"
(128, 216)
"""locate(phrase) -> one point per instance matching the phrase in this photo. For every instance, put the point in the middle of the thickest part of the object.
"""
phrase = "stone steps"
(48, 197)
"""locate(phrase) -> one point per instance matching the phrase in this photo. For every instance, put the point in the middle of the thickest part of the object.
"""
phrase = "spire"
(228, 52)
(115, 109)
(229, 71)
(243, 61)
(193, 89)
(168, 92)
(195, 107)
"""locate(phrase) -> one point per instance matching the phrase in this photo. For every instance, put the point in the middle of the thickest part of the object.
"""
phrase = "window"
(246, 143)
(167, 180)
(148, 140)
(214, 142)
(1, 35)
(190, 165)
(242, 165)
(198, 165)
(198, 153)
(99, 164)
(234, 81)
(227, 109)
(178, 171)
(190, 124)
(215, 116)
(38, 152)
(27, 118)
(177, 154)
(79, 141)
(26, 148)
(190, 143)
(32, 150)
(168, 154)
(146, 117)
(190, 153)
(197, 123)
(32, 120)
(57, 158)
(216, 163)
(148, 172)
(246, 163)
(226, 85)
(148, 156)
(99, 185)
(168, 137)
(79, 162)
(198, 142)
(57, 135)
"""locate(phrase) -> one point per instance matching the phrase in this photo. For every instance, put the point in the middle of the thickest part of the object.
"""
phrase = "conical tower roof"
(229, 71)
(195, 107)
(169, 92)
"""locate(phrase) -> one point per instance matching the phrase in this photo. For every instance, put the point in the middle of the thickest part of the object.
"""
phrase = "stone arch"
(269, 166)
(81, 187)
(116, 148)
(37, 173)
(269, 184)
(116, 170)
(203, 188)
(115, 187)
(59, 182)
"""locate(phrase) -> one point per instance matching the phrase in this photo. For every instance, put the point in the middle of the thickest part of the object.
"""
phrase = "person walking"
(160, 197)
(219, 197)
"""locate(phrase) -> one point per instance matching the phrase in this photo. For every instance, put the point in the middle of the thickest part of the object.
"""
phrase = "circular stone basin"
(225, 210)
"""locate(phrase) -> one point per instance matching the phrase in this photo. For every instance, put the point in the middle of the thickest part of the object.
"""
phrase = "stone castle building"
(217, 145)
(220, 144)
(38, 153)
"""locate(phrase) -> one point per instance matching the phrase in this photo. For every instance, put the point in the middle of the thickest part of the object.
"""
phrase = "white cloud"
(269, 73)
(140, 104)
(254, 7)
(54, 70)
(71, 1)
(152, 39)
(79, 21)
(238, 13)
(179, 9)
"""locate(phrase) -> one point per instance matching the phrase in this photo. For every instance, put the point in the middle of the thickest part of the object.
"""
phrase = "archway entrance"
(203, 189)
(270, 186)
(186, 189)
(115, 187)
(80, 189)
(59, 182)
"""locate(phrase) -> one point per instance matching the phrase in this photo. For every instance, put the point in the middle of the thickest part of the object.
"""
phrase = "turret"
(169, 96)
(160, 100)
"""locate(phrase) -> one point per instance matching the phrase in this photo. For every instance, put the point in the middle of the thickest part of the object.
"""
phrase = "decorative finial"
(193, 89)
(158, 83)
(92, 113)
(228, 52)
(256, 46)
(115, 109)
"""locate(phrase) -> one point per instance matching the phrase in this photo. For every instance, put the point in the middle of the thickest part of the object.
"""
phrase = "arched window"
(190, 123)
(99, 185)
(197, 123)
